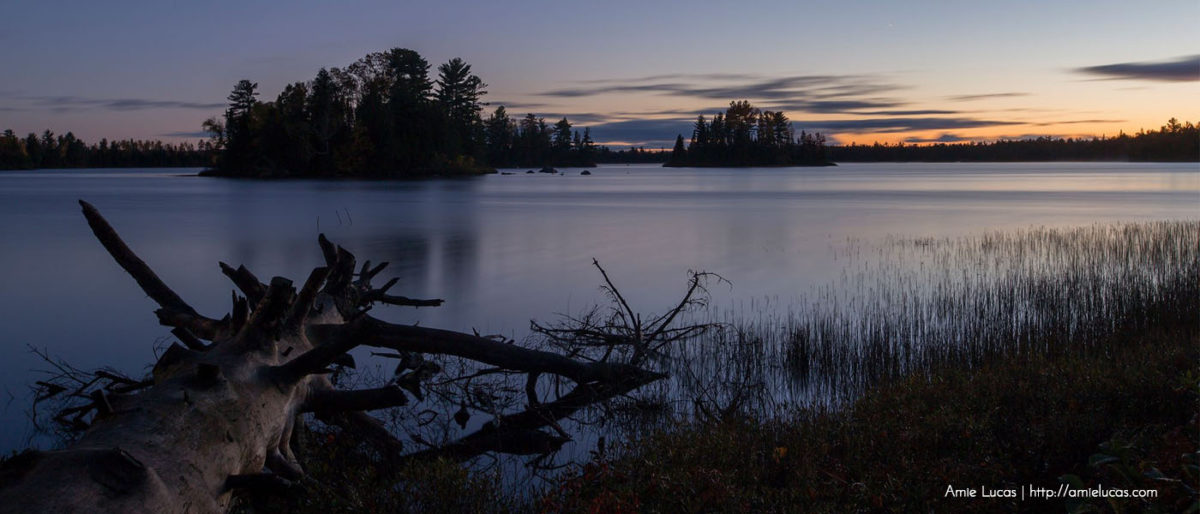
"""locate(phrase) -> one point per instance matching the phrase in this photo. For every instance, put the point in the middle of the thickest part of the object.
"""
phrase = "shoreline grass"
(1038, 357)
(1019, 421)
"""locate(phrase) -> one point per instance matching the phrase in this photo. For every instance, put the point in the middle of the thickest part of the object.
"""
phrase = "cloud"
(642, 132)
(196, 134)
(662, 132)
(674, 76)
(944, 138)
(66, 103)
(914, 112)
(1073, 122)
(899, 124)
(1183, 69)
(735, 86)
(509, 106)
(968, 98)
(832, 106)
(575, 118)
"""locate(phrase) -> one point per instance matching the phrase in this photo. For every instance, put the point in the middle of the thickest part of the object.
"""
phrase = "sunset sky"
(635, 72)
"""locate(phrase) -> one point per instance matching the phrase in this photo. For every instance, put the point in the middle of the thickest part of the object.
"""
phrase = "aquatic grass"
(1016, 421)
(909, 306)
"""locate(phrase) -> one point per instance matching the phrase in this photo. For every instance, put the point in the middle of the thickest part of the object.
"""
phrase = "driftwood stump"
(219, 410)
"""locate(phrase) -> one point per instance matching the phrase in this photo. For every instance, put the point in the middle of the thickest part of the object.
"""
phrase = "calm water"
(502, 249)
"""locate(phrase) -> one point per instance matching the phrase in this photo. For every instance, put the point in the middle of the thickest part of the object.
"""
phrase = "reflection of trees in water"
(442, 265)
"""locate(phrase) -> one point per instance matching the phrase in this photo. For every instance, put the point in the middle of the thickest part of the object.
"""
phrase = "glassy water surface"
(502, 249)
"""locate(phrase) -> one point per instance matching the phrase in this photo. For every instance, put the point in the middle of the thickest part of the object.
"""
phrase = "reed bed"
(906, 306)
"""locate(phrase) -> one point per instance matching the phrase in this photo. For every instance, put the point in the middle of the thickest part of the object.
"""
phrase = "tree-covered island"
(384, 117)
(746, 136)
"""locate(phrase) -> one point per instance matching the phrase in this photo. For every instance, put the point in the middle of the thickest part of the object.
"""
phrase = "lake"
(503, 249)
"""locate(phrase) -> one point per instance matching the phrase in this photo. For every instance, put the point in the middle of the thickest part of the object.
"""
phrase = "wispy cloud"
(509, 106)
(944, 138)
(576, 118)
(1182, 69)
(642, 132)
(193, 134)
(901, 124)
(1073, 122)
(674, 76)
(832, 106)
(66, 103)
(912, 112)
(735, 86)
(987, 96)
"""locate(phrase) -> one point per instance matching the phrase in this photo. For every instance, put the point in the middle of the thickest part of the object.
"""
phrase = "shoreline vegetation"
(1070, 360)
(384, 116)
(1172, 142)
(744, 136)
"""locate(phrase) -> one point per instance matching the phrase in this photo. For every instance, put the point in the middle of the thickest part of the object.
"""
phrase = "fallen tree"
(220, 407)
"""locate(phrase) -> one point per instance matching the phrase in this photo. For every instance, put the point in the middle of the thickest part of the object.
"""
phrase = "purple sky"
(635, 72)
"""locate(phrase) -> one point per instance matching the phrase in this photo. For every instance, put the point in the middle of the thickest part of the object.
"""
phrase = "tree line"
(745, 136)
(635, 154)
(1174, 141)
(384, 116)
(531, 142)
(67, 151)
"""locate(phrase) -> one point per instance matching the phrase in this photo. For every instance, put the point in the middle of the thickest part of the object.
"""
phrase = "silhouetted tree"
(239, 151)
(679, 153)
(459, 93)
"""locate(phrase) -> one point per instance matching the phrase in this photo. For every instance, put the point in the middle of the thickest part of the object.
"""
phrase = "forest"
(746, 136)
(384, 116)
(68, 151)
(1173, 142)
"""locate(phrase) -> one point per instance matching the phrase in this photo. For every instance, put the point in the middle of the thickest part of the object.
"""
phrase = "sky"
(634, 72)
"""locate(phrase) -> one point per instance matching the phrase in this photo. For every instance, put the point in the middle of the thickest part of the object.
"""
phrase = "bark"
(219, 411)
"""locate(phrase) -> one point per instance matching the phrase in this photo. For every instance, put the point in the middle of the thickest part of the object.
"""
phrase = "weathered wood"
(135, 266)
(215, 415)
(362, 400)
(370, 331)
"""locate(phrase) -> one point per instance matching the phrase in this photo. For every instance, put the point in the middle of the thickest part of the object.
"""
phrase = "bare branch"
(313, 361)
(403, 301)
(132, 264)
(270, 311)
(373, 332)
(246, 281)
(186, 337)
(506, 434)
(366, 275)
(365, 399)
(304, 301)
(612, 289)
(203, 327)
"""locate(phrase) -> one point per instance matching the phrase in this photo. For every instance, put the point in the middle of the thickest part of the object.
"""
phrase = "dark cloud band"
(1183, 69)
(118, 104)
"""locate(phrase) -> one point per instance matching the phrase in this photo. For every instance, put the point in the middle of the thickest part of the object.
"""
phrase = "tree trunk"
(219, 414)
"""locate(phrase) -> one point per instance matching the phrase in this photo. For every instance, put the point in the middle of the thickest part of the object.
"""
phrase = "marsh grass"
(915, 306)
(1032, 357)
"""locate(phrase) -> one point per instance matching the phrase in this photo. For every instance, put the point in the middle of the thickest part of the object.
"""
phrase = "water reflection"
(504, 249)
